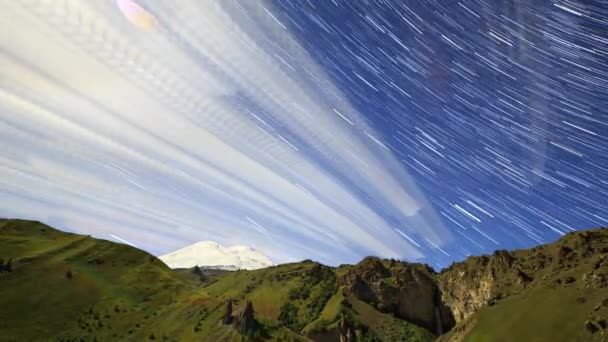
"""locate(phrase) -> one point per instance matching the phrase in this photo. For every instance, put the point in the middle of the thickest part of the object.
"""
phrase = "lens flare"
(137, 15)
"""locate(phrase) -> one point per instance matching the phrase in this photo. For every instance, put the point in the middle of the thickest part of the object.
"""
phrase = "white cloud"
(215, 116)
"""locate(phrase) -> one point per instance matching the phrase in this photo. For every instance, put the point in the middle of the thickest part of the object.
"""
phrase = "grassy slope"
(547, 309)
(541, 315)
(116, 292)
(387, 327)
(267, 288)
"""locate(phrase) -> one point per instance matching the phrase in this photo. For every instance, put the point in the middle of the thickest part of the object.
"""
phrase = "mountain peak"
(212, 254)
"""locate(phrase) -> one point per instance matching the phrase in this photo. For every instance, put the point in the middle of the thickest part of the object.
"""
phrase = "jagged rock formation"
(598, 276)
(467, 286)
(409, 291)
(244, 321)
(438, 301)
(482, 280)
(227, 317)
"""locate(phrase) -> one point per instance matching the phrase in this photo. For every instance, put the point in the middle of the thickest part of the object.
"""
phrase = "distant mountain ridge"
(213, 255)
(68, 287)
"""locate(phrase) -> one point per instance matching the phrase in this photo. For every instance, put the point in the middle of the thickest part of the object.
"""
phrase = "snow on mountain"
(213, 255)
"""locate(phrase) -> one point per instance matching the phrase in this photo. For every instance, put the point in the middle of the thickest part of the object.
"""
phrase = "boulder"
(592, 328)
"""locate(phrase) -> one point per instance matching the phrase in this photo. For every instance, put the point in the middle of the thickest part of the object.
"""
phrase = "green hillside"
(57, 286)
(68, 287)
(553, 292)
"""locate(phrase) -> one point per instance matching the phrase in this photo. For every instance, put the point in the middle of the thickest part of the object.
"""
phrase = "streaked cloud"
(214, 125)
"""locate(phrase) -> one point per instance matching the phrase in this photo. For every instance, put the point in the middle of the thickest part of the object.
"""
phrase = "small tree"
(288, 316)
(197, 270)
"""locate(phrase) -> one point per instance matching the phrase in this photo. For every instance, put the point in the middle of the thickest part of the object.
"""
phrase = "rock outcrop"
(244, 321)
(467, 286)
(478, 281)
(408, 291)
(227, 317)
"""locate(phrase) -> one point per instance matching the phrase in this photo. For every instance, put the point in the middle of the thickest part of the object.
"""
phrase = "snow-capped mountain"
(212, 255)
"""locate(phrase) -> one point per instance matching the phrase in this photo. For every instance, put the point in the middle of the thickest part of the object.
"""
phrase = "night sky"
(329, 130)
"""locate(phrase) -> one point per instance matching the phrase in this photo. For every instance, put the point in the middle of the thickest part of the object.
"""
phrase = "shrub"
(289, 316)
(326, 290)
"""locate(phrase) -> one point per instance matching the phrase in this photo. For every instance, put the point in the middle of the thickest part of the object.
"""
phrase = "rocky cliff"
(474, 283)
(440, 301)
(483, 280)
(409, 291)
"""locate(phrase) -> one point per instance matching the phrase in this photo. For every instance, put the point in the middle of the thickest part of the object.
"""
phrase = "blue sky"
(326, 130)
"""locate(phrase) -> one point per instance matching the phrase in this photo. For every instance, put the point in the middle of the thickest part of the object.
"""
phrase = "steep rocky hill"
(557, 291)
(69, 287)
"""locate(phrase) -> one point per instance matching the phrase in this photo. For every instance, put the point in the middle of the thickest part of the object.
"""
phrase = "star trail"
(328, 130)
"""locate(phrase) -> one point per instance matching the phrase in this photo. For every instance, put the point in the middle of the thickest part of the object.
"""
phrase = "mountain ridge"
(97, 289)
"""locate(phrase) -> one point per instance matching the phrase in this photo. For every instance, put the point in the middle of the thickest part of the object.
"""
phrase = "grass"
(385, 326)
(544, 314)
(68, 287)
(115, 292)
(550, 307)
(43, 301)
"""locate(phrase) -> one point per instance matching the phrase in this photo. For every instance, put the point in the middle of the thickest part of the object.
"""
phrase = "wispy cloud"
(216, 125)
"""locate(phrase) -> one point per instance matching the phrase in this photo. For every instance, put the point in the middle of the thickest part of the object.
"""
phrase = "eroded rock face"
(465, 293)
(522, 277)
(438, 301)
(407, 290)
(468, 286)
(478, 281)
